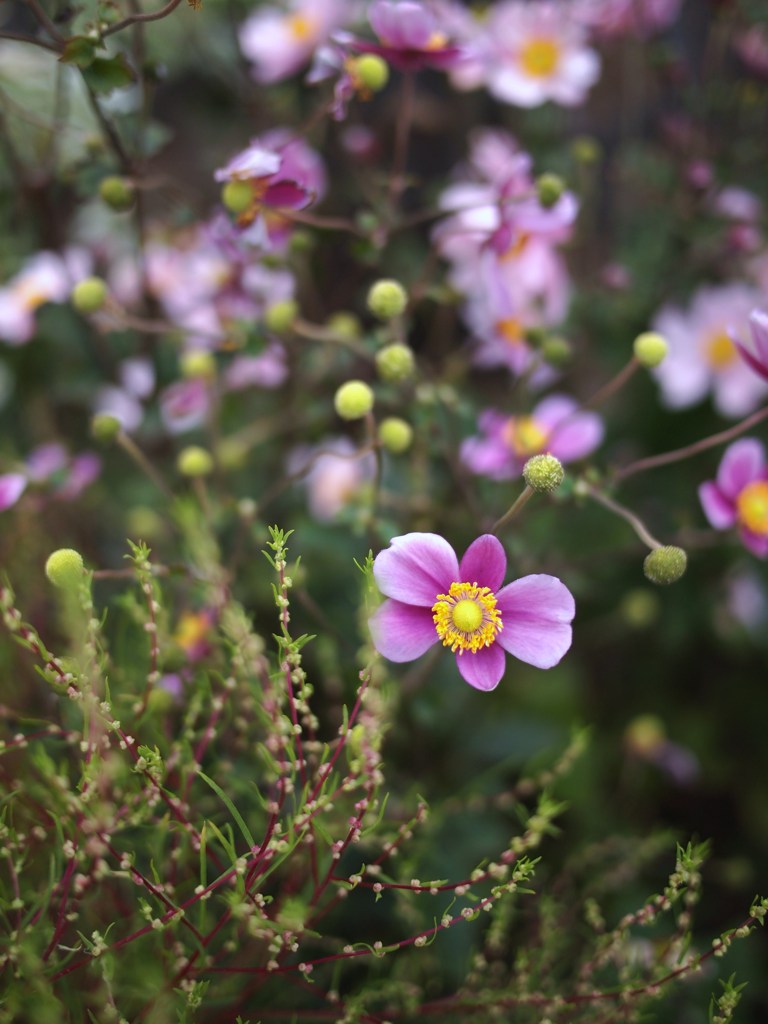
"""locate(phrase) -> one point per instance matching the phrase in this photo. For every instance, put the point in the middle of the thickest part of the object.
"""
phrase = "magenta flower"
(556, 426)
(410, 35)
(433, 597)
(757, 360)
(739, 495)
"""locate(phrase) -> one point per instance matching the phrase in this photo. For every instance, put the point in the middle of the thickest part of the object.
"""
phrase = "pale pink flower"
(702, 356)
(538, 52)
(333, 473)
(45, 277)
(280, 40)
(738, 497)
(628, 17)
(756, 356)
(411, 35)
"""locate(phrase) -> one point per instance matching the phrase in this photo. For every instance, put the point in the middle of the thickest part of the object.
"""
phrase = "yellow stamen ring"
(752, 507)
(466, 618)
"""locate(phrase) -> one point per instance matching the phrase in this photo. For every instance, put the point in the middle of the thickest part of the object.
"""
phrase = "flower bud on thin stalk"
(543, 474)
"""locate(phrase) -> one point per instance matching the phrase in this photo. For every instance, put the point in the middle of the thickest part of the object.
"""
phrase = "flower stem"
(620, 510)
(511, 512)
(653, 461)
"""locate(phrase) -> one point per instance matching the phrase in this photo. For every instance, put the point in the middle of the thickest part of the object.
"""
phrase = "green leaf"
(104, 74)
(252, 844)
(80, 51)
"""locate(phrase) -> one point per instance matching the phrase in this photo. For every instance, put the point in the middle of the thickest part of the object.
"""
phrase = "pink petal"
(415, 568)
(484, 668)
(577, 437)
(758, 322)
(484, 563)
(287, 193)
(536, 612)
(11, 488)
(760, 367)
(742, 462)
(718, 509)
(402, 632)
(754, 542)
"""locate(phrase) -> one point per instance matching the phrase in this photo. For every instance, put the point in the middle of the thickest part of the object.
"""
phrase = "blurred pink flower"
(432, 597)
(334, 472)
(184, 405)
(45, 277)
(739, 495)
(752, 47)
(556, 426)
(537, 52)
(631, 17)
(702, 356)
(267, 369)
(411, 35)
(279, 42)
(12, 486)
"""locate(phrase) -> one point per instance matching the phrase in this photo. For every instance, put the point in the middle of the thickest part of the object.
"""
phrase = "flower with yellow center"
(466, 618)
(301, 26)
(720, 351)
(511, 330)
(752, 507)
(539, 56)
(525, 436)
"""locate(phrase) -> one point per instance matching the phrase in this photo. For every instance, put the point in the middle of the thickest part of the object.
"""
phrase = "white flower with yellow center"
(538, 52)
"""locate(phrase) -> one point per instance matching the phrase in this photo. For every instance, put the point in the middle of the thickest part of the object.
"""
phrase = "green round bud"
(395, 434)
(237, 196)
(345, 324)
(197, 363)
(650, 349)
(89, 295)
(353, 400)
(665, 565)
(586, 149)
(543, 473)
(556, 350)
(395, 362)
(105, 428)
(280, 316)
(65, 568)
(387, 299)
(231, 453)
(118, 193)
(549, 188)
(645, 734)
(640, 607)
(194, 461)
(369, 72)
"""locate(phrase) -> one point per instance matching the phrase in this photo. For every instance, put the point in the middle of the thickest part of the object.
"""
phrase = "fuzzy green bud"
(369, 72)
(194, 461)
(543, 473)
(280, 316)
(665, 565)
(395, 434)
(345, 324)
(65, 568)
(89, 295)
(118, 193)
(353, 400)
(395, 362)
(650, 349)
(549, 188)
(387, 299)
(197, 363)
(556, 350)
(237, 196)
(105, 428)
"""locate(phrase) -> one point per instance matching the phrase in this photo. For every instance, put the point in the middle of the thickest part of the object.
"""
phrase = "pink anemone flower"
(463, 605)
(738, 496)
(411, 36)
